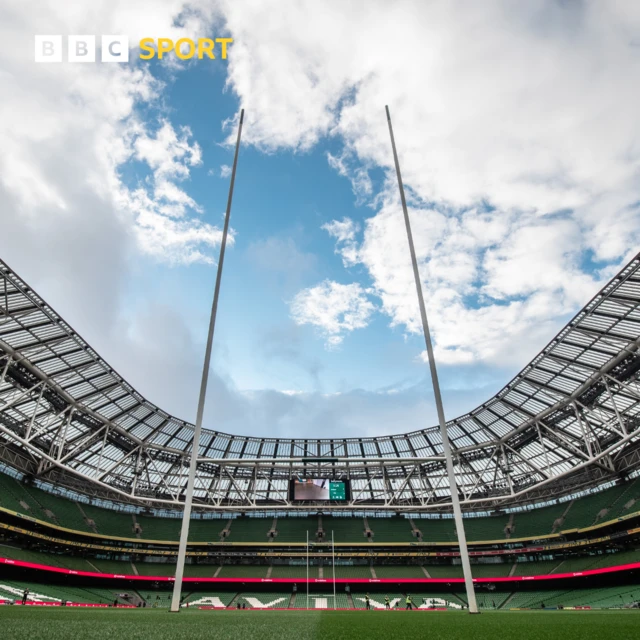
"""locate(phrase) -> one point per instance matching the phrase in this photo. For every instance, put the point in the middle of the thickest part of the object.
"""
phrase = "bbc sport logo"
(116, 48)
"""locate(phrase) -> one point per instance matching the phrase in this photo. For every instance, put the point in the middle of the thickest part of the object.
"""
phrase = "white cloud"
(358, 176)
(519, 146)
(67, 130)
(225, 171)
(345, 234)
(334, 308)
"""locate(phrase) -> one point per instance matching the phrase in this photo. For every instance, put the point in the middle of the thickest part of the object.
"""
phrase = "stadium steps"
(234, 600)
(224, 534)
(93, 566)
(136, 527)
(374, 575)
(368, 533)
(558, 522)
(509, 526)
(292, 600)
(459, 599)
(507, 601)
(88, 521)
(217, 573)
(350, 600)
(627, 497)
(513, 569)
(273, 532)
(424, 570)
(134, 569)
(321, 572)
(269, 570)
(416, 532)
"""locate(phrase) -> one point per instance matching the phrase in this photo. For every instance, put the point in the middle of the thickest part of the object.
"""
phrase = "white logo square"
(115, 48)
(81, 49)
(48, 49)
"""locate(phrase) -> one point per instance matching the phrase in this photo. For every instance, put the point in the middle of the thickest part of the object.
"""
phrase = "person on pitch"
(25, 595)
(409, 602)
(367, 602)
(386, 602)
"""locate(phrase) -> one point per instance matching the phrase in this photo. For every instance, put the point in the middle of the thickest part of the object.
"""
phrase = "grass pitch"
(34, 623)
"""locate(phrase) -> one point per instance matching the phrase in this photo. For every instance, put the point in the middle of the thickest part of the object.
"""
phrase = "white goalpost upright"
(307, 568)
(446, 445)
(333, 561)
(195, 445)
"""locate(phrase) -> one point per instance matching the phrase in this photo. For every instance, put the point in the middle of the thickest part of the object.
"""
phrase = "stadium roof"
(568, 420)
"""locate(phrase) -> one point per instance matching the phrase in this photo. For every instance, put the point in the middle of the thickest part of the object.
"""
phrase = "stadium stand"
(112, 566)
(398, 571)
(535, 568)
(354, 571)
(266, 600)
(434, 601)
(199, 570)
(155, 568)
(587, 510)
(377, 600)
(445, 570)
(322, 601)
(208, 599)
(52, 593)
(242, 571)
(395, 529)
(582, 512)
(295, 529)
(293, 571)
(487, 528)
(206, 529)
(537, 521)
(345, 529)
(610, 597)
(491, 570)
(109, 522)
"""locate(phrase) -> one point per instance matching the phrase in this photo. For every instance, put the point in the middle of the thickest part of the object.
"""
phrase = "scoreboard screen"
(323, 489)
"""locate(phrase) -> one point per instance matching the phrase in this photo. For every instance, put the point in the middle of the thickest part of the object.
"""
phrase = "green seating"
(322, 601)
(491, 570)
(345, 529)
(295, 529)
(293, 571)
(208, 599)
(356, 571)
(488, 528)
(534, 522)
(396, 529)
(537, 568)
(243, 571)
(399, 571)
(266, 600)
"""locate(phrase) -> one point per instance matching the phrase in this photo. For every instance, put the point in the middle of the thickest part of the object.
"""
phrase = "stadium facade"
(93, 478)
(568, 421)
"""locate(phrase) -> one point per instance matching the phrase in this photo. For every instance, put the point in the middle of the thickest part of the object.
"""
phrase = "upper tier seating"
(295, 529)
(344, 529)
(583, 512)
(396, 529)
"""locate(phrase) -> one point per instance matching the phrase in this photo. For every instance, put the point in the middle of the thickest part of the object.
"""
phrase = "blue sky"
(281, 201)
(519, 146)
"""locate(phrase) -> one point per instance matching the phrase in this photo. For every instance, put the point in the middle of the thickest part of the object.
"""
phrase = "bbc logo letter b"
(82, 49)
(48, 49)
